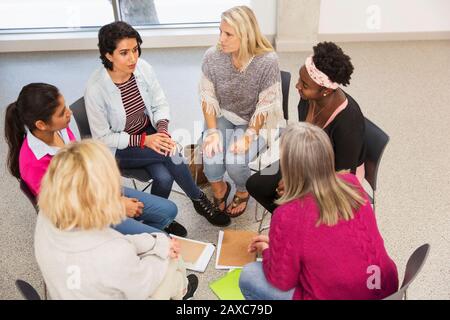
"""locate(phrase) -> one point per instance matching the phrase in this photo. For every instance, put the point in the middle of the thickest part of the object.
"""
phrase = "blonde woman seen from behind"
(324, 243)
(79, 254)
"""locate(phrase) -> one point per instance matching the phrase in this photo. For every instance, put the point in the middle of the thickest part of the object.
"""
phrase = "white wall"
(362, 20)
(265, 11)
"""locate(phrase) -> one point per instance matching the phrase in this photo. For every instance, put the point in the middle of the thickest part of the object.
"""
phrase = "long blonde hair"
(81, 188)
(252, 41)
(307, 166)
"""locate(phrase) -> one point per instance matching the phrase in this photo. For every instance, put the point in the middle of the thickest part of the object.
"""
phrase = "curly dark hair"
(109, 35)
(331, 60)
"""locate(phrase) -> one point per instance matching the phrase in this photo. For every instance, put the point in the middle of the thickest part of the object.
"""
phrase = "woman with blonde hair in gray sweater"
(240, 90)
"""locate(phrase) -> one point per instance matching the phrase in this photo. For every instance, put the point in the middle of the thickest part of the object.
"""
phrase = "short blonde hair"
(252, 41)
(81, 188)
(307, 166)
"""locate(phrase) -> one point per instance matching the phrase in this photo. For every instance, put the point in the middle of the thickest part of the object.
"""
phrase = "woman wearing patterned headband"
(324, 104)
(240, 91)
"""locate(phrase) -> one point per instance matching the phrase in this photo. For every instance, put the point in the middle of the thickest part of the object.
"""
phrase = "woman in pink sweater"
(324, 240)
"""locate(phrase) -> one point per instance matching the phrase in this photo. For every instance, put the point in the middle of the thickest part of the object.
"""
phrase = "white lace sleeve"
(208, 96)
(270, 107)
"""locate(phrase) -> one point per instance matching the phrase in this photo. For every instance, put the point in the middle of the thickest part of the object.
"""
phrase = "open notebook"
(232, 249)
(196, 254)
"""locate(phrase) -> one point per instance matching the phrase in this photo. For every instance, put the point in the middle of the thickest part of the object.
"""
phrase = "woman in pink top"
(37, 126)
(324, 242)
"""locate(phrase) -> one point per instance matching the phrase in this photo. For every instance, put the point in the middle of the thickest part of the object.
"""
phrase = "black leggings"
(262, 186)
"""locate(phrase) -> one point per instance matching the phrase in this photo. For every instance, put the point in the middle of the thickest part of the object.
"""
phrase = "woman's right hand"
(160, 143)
(212, 144)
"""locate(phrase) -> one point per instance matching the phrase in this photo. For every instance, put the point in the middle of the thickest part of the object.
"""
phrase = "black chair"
(27, 192)
(27, 290)
(376, 141)
(79, 112)
(33, 200)
(285, 85)
(413, 267)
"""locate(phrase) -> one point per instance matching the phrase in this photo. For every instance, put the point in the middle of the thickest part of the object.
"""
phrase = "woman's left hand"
(241, 146)
(133, 207)
(174, 248)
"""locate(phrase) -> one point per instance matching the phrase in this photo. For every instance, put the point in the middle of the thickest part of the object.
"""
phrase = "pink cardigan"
(326, 262)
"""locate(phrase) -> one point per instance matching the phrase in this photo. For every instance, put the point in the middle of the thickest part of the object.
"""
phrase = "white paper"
(219, 246)
(203, 260)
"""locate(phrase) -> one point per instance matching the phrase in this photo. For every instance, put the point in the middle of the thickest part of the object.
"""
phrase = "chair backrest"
(285, 83)
(27, 290)
(27, 192)
(376, 141)
(79, 113)
(413, 267)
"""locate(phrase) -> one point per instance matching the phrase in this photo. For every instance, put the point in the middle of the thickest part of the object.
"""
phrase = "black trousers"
(262, 186)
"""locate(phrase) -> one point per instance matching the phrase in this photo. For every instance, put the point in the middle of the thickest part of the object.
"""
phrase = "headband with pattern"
(318, 76)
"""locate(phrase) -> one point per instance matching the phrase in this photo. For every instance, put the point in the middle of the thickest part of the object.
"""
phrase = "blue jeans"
(254, 285)
(163, 170)
(157, 214)
(235, 164)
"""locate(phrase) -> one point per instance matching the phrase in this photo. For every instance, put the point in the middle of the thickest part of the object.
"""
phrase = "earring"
(324, 94)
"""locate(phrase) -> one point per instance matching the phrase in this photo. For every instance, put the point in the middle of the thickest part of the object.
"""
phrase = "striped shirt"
(136, 118)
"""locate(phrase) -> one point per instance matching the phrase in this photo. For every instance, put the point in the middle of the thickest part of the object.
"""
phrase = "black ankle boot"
(204, 207)
(176, 229)
(192, 287)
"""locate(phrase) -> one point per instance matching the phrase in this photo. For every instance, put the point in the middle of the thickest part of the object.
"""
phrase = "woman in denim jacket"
(128, 111)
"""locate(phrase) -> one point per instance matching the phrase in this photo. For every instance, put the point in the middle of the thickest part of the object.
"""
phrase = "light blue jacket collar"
(111, 86)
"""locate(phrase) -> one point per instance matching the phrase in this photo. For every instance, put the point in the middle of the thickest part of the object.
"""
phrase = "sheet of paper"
(196, 254)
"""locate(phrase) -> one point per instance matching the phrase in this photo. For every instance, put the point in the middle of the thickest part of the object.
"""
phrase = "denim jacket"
(105, 110)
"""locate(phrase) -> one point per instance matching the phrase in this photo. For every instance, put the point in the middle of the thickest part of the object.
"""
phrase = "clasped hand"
(161, 143)
(133, 207)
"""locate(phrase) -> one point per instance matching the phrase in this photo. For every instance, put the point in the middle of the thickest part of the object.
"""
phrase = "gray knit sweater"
(242, 95)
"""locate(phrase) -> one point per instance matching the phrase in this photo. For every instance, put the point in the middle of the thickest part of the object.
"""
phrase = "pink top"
(35, 156)
(336, 112)
(344, 261)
